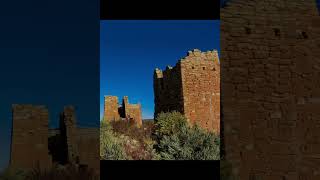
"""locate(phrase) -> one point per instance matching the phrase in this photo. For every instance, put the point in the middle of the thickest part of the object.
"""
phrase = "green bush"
(111, 147)
(169, 123)
(178, 141)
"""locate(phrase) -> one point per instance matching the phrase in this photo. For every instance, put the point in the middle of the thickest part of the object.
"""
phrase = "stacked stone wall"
(201, 88)
(88, 142)
(192, 87)
(29, 143)
(132, 111)
(126, 111)
(111, 108)
(35, 146)
(168, 90)
(69, 133)
(271, 88)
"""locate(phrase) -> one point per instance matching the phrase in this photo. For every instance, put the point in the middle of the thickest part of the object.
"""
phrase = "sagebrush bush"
(111, 146)
(169, 123)
(176, 140)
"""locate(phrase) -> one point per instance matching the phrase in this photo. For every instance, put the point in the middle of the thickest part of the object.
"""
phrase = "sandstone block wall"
(68, 129)
(111, 108)
(127, 111)
(29, 146)
(201, 88)
(192, 87)
(168, 90)
(88, 141)
(132, 111)
(35, 145)
(270, 83)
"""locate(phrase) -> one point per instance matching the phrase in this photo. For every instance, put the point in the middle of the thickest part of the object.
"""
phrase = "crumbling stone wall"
(29, 146)
(111, 112)
(168, 90)
(132, 111)
(192, 87)
(127, 111)
(271, 88)
(35, 145)
(88, 141)
(68, 129)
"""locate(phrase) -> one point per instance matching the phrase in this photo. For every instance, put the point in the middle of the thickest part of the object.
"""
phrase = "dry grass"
(138, 141)
(128, 129)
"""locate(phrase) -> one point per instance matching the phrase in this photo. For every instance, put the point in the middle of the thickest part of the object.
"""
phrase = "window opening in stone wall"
(213, 69)
(248, 30)
(304, 34)
(192, 67)
(276, 32)
(204, 68)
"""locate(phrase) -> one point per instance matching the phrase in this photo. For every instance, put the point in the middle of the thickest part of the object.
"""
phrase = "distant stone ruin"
(192, 87)
(34, 145)
(114, 112)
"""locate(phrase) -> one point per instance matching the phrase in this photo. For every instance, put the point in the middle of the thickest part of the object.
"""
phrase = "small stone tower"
(68, 128)
(132, 111)
(111, 108)
(29, 146)
(114, 112)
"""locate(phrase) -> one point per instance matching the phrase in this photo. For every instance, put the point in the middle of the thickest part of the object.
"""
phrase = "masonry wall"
(271, 88)
(111, 105)
(88, 141)
(168, 90)
(132, 111)
(192, 87)
(29, 146)
(68, 129)
(200, 73)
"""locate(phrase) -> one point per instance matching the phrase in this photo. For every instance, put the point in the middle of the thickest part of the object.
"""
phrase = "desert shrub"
(138, 150)
(121, 140)
(149, 144)
(190, 144)
(111, 146)
(176, 140)
(168, 124)
(128, 129)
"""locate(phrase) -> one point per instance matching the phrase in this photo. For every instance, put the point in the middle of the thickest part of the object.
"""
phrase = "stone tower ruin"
(114, 112)
(34, 145)
(68, 130)
(271, 88)
(192, 87)
(29, 147)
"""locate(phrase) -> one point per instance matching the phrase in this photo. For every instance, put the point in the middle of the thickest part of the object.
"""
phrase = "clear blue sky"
(131, 50)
